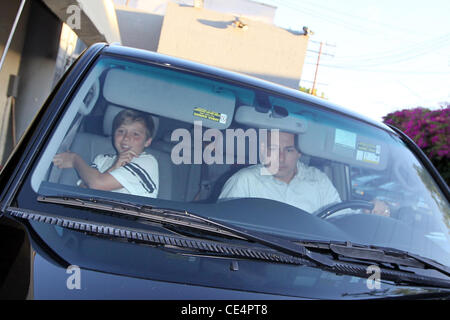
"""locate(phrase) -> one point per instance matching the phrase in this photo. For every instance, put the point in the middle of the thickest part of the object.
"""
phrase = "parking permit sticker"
(345, 139)
(210, 115)
(368, 152)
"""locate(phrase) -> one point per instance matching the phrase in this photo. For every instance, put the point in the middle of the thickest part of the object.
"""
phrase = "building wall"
(262, 50)
(243, 8)
(10, 67)
(13, 58)
(42, 43)
(70, 48)
(246, 8)
(38, 63)
(33, 54)
(98, 21)
(139, 29)
(103, 15)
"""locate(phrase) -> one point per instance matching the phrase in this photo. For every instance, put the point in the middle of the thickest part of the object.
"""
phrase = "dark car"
(174, 235)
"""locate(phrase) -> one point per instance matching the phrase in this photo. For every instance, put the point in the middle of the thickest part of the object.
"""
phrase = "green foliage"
(314, 93)
(430, 130)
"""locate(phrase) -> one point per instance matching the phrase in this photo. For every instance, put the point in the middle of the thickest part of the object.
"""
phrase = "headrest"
(110, 114)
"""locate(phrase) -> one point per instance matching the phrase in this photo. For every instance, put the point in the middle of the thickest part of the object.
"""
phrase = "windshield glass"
(169, 138)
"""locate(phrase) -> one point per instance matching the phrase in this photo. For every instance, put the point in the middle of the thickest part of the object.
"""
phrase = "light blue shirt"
(310, 189)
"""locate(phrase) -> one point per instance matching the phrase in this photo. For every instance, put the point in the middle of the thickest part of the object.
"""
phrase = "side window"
(369, 184)
(362, 180)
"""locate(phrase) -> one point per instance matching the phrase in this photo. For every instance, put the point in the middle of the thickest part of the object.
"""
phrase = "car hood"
(54, 282)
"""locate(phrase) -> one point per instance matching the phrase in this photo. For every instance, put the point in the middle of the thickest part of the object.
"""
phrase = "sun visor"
(320, 140)
(343, 145)
(175, 97)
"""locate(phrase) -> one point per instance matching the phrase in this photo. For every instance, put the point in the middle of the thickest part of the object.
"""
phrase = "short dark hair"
(131, 116)
(296, 138)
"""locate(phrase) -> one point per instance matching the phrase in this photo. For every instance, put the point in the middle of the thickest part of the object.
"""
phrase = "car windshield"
(267, 161)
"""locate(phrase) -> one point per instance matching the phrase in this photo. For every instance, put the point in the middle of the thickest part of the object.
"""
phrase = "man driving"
(282, 177)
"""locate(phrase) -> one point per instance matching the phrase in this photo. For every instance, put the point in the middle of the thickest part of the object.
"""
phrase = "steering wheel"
(351, 204)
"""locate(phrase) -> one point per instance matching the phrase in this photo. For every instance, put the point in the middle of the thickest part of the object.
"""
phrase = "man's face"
(131, 136)
(283, 153)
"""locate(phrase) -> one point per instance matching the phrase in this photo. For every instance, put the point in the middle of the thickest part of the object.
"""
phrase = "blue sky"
(382, 55)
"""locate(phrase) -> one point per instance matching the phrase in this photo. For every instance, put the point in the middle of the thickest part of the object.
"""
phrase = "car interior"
(177, 102)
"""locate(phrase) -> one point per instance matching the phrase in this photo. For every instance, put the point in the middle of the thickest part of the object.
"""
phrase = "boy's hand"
(123, 158)
(65, 160)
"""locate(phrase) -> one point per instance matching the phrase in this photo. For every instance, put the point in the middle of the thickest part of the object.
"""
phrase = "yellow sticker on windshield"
(368, 152)
(210, 115)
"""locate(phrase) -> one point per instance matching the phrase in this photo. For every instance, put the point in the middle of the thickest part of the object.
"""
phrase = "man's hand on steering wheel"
(380, 208)
(375, 206)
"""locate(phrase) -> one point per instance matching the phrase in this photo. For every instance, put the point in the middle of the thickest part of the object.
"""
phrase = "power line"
(345, 22)
(311, 81)
(363, 63)
(334, 20)
(392, 57)
(362, 69)
(417, 49)
(377, 24)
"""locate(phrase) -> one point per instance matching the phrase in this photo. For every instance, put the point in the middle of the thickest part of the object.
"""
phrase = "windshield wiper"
(354, 259)
(191, 221)
(192, 246)
(379, 255)
(148, 213)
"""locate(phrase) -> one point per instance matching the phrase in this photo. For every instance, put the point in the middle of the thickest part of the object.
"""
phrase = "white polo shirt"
(310, 189)
(140, 177)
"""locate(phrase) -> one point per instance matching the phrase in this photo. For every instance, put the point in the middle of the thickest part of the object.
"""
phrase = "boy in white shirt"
(131, 170)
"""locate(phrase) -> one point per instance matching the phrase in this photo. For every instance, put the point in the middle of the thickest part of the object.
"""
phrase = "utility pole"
(317, 68)
(320, 53)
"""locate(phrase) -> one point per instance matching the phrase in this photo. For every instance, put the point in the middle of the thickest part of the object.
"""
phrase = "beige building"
(237, 35)
(234, 43)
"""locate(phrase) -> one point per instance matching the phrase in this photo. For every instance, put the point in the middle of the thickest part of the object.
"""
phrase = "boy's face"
(131, 136)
